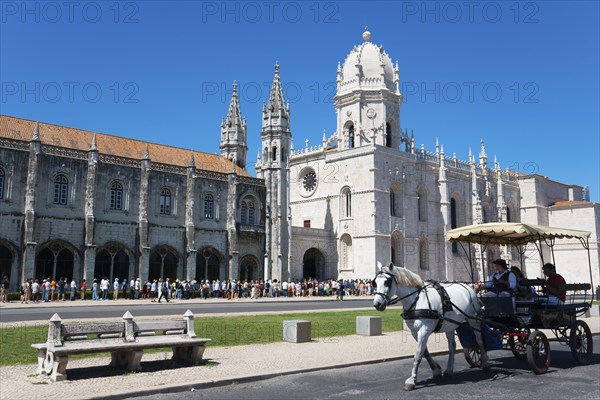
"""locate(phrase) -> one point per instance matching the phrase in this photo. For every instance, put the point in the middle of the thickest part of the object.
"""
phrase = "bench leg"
(118, 359)
(41, 358)
(188, 354)
(134, 358)
(196, 353)
(59, 371)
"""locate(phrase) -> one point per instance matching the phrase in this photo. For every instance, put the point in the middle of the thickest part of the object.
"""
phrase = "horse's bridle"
(388, 282)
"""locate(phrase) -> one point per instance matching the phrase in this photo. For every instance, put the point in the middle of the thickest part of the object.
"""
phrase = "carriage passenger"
(554, 281)
(522, 290)
(502, 283)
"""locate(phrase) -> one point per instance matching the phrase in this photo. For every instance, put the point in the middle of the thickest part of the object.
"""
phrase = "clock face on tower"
(307, 182)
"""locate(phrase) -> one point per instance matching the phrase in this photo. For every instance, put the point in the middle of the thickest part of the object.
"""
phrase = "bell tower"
(273, 167)
(368, 98)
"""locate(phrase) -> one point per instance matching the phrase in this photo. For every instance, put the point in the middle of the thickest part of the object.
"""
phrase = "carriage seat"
(573, 299)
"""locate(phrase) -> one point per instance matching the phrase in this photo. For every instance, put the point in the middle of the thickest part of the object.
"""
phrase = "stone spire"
(483, 155)
(233, 132)
(234, 115)
(192, 163)
(36, 133)
(276, 101)
(147, 153)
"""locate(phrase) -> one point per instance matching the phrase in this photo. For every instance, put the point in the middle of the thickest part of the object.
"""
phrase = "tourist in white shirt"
(73, 289)
(104, 285)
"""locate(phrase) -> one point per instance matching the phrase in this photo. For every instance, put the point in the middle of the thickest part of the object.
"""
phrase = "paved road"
(149, 309)
(509, 379)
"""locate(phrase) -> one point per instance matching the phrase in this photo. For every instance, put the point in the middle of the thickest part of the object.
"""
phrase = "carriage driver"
(502, 283)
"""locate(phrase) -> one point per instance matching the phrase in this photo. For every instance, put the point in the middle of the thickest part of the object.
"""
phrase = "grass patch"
(596, 302)
(15, 342)
(240, 330)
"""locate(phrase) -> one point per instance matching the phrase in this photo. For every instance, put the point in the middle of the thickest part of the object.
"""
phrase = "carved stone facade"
(87, 214)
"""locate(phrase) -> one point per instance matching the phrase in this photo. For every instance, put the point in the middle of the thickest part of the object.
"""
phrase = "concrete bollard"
(296, 331)
(368, 326)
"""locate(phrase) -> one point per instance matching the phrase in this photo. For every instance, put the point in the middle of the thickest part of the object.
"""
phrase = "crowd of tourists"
(157, 290)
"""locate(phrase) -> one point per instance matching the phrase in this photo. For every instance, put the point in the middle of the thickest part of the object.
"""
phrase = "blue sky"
(523, 76)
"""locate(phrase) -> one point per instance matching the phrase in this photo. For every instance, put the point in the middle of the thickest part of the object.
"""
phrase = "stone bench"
(125, 340)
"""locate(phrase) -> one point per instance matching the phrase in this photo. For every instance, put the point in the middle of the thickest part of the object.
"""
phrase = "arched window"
(453, 223)
(208, 265)
(250, 213)
(397, 248)
(508, 218)
(163, 263)
(165, 201)
(423, 254)
(274, 156)
(392, 203)
(422, 205)
(209, 206)
(346, 203)
(388, 135)
(1, 183)
(244, 212)
(351, 137)
(61, 189)
(265, 155)
(116, 196)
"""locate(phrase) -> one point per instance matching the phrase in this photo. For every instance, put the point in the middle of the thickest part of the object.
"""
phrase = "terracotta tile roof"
(72, 138)
(568, 203)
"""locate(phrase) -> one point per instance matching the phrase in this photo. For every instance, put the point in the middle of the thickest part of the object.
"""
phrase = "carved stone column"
(190, 229)
(143, 218)
(89, 260)
(35, 152)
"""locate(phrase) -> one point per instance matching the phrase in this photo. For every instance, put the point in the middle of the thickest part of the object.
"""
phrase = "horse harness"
(428, 313)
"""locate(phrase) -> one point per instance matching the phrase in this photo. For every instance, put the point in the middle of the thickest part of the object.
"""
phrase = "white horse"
(415, 294)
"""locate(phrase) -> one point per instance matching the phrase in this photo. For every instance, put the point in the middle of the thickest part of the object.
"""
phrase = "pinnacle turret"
(233, 132)
(276, 101)
(234, 115)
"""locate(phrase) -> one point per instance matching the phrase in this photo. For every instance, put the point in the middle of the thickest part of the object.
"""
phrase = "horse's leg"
(476, 326)
(435, 367)
(451, 351)
(422, 337)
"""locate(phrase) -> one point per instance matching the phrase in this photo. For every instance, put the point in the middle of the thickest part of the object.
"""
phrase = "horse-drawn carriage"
(501, 322)
(516, 324)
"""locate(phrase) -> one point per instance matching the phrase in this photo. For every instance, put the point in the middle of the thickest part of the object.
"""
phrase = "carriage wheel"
(581, 342)
(473, 356)
(538, 352)
(518, 344)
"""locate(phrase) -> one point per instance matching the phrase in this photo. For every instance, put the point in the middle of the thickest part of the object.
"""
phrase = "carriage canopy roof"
(508, 233)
